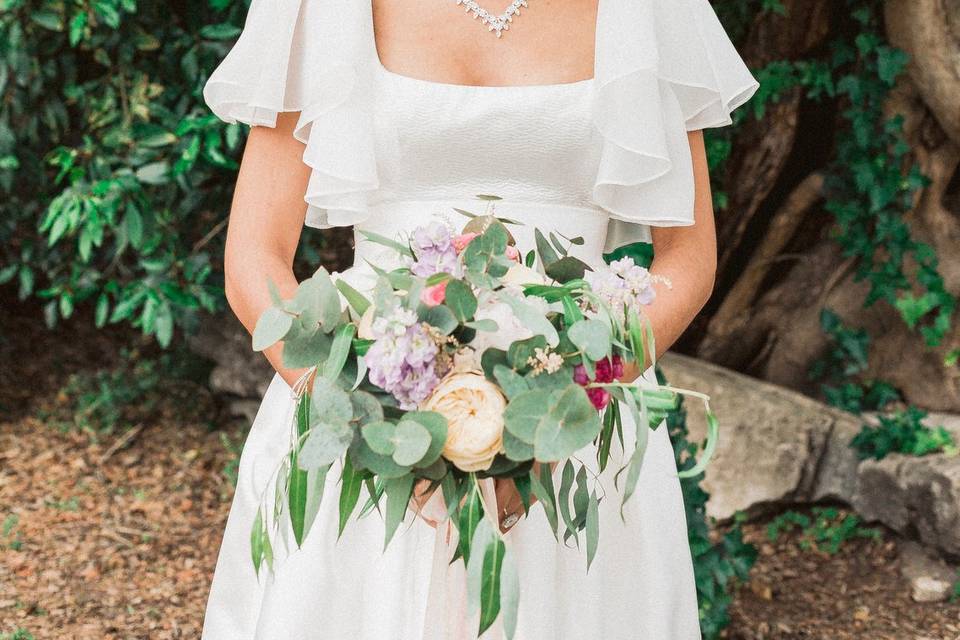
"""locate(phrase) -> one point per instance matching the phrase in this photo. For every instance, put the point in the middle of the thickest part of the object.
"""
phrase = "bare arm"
(266, 219)
(687, 257)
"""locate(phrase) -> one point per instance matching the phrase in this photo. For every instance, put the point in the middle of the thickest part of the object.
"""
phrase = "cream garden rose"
(473, 407)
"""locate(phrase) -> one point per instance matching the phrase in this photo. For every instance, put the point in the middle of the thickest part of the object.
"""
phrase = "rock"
(913, 494)
(239, 371)
(776, 446)
(930, 578)
(927, 589)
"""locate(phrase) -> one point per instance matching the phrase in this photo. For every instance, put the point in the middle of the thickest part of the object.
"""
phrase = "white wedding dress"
(602, 159)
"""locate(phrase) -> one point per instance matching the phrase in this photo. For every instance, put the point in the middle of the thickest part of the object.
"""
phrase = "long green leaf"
(354, 298)
(256, 540)
(398, 497)
(563, 498)
(543, 489)
(547, 255)
(593, 528)
(298, 482)
(316, 482)
(339, 352)
(471, 514)
(713, 436)
(387, 242)
(490, 583)
(351, 481)
(509, 592)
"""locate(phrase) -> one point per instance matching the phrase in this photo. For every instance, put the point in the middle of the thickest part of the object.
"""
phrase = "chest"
(525, 143)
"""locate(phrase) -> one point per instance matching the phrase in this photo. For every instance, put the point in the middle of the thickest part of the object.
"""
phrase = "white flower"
(473, 407)
(509, 327)
(520, 274)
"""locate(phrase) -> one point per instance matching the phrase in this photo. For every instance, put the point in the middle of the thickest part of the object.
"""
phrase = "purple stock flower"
(433, 250)
(402, 360)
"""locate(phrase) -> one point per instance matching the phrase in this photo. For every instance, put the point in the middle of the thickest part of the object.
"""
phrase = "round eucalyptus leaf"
(366, 407)
(271, 327)
(436, 425)
(592, 337)
(525, 412)
(380, 437)
(329, 403)
(326, 443)
(571, 424)
(411, 440)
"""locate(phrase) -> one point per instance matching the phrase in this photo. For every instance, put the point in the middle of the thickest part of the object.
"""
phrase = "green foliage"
(842, 367)
(717, 565)
(105, 400)
(827, 531)
(9, 536)
(18, 634)
(902, 432)
(114, 177)
(874, 183)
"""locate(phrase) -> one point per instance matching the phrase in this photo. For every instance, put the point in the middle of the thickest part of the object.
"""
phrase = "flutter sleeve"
(308, 57)
(664, 68)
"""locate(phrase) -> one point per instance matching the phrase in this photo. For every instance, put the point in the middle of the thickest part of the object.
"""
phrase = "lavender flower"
(434, 250)
(402, 360)
(624, 285)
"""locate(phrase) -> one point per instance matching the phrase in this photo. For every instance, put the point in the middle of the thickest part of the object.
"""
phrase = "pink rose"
(460, 242)
(513, 253)
(432, 296)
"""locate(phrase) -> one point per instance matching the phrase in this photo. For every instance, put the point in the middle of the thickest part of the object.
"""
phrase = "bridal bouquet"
(472, 360)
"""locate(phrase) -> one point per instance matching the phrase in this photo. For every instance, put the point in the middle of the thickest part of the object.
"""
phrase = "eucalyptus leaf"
(330, 404)
(398, 492)
(366, 408)
(411, 442)
(461, 300)
(511, 382)
(713, 437)
(563, 499)
(339, 351)
(271, 327)
(439, 317)
(490, 583)
(326, 442)
(354, 298)
(350, 482)
(592, 337)
(532, 318)
(542, 484)
(436, 426)
(471, 516)
(482, 536)
(593, 528)
(316, 482)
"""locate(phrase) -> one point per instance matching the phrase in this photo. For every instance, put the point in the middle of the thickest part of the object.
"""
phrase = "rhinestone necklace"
(495, 24)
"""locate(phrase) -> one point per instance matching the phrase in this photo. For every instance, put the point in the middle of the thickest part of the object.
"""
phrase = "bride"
(585, 116)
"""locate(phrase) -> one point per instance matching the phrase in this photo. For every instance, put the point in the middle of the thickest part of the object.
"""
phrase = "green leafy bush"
(902, 432)
(826, 531)
(114, 177)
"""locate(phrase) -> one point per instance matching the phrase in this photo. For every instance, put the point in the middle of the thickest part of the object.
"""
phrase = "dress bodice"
(615, 145)
(527, 144)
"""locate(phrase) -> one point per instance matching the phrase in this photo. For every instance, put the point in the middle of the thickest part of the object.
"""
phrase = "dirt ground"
(114, 536)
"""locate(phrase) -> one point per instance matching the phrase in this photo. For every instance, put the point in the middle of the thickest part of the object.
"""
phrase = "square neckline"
(382, 68)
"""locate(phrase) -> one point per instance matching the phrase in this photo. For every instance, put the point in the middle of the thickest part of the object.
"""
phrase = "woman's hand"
(509, 503)
(422, 493)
